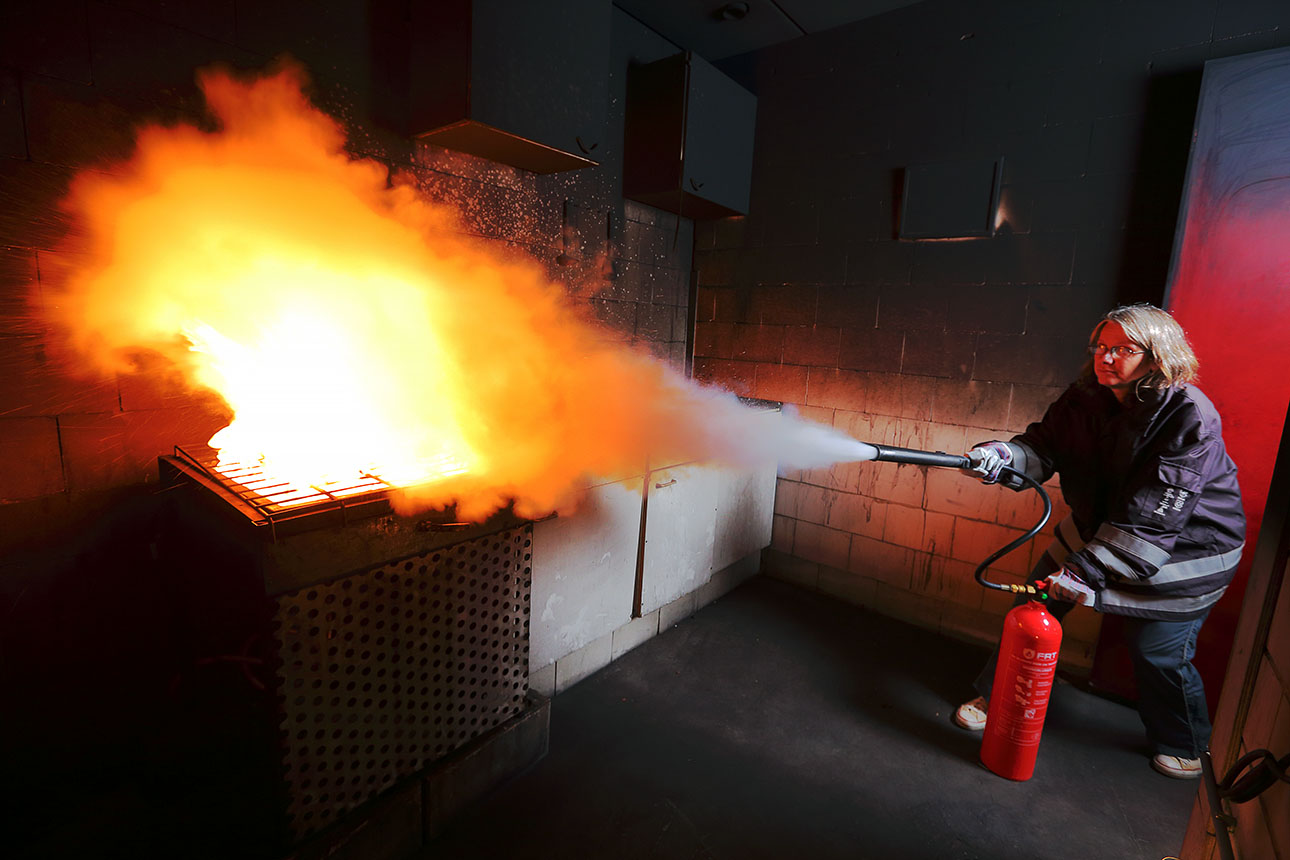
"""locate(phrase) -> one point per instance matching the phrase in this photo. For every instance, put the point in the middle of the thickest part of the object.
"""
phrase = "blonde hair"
(1157, 332)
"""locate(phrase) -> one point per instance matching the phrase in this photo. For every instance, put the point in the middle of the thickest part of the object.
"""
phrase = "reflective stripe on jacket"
(1156, 525)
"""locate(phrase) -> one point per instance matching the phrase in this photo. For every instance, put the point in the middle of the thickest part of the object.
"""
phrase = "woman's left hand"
(1066, 585)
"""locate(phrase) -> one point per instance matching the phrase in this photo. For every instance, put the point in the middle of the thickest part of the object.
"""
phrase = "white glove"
(1066, 585)
(988, 459)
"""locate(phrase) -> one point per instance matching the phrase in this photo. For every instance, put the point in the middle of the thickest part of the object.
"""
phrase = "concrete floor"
(779, 723)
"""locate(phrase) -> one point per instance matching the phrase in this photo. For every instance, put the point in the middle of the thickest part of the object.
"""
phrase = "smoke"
(351, 325)
(801, 444)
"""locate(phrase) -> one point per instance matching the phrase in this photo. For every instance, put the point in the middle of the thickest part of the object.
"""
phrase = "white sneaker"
(971, 715)
(1176, 766)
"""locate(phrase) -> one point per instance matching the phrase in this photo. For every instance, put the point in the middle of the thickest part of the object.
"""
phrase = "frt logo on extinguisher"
(1031, 654)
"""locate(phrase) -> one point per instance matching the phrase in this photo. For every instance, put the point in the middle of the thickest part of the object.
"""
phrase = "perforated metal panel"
(385, 671)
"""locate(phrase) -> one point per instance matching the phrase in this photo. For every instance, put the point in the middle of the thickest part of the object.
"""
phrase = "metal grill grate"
(274, 498)
(385, 671)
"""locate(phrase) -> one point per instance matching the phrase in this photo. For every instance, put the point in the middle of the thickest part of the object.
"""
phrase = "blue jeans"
(1171, 697)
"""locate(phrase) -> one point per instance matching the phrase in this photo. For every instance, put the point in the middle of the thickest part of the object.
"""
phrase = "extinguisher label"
(1031, 673)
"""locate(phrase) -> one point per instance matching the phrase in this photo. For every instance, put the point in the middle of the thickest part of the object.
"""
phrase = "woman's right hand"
(988, 460)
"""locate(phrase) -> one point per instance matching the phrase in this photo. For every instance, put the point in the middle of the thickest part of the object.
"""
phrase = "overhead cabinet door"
(689, 138)
(516, 81)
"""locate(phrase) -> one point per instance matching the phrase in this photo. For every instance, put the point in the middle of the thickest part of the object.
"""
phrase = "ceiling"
(701, 26)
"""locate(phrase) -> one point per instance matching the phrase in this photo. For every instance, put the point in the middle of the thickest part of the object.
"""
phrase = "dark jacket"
(1156, 525)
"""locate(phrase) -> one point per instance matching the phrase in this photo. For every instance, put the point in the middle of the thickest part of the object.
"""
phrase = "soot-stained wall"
(89, 627)
(811, 299)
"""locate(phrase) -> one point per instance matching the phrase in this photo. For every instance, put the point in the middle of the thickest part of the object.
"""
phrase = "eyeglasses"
(1124, 351)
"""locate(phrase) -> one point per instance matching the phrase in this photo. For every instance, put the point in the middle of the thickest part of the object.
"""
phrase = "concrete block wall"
(811, 299)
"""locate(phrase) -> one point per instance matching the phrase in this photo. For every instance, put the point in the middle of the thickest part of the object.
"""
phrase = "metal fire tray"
(291, 541)
(283, 508)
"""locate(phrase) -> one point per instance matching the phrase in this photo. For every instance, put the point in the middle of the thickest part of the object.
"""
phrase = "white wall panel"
(584, 571)
(680, 526)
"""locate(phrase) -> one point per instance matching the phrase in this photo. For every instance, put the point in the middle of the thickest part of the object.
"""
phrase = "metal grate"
(274, 498)
(385, 671)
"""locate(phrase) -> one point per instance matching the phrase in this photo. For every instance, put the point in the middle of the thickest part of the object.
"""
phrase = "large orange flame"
(350, 327)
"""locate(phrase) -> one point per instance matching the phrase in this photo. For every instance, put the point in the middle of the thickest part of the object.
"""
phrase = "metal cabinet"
(523, 83)
(592, 572)
(745, 507)
(680, 525)
(745, 514)
(584, 571)
(689, 138)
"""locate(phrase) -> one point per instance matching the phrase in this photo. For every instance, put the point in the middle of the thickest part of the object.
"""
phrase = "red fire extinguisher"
(1023, 684)
(1032, 638)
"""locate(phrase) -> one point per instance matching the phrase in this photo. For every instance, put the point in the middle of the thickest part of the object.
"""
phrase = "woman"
(1156, 526)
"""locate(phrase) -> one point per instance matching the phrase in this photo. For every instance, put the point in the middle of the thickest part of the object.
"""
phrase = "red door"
(1229, 286)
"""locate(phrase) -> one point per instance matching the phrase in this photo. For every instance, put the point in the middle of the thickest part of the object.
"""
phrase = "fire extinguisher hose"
(1028, 588)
